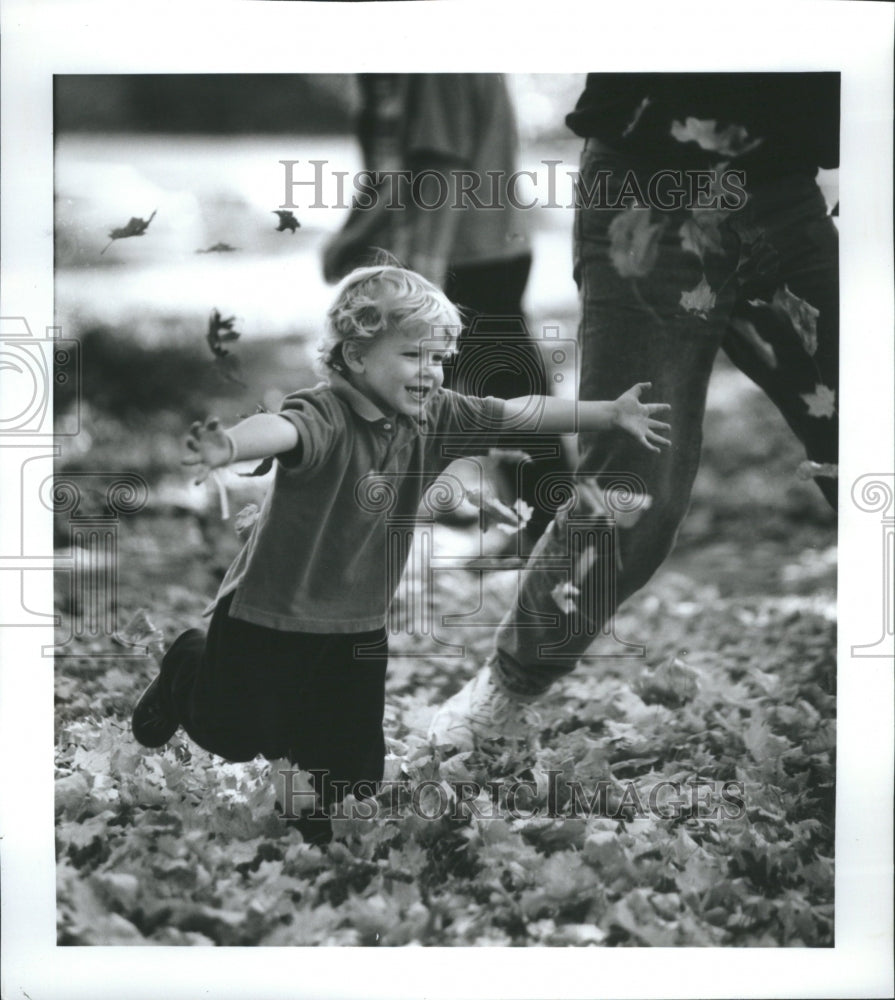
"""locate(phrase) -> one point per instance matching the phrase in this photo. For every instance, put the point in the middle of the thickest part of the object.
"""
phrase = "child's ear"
(353, 355)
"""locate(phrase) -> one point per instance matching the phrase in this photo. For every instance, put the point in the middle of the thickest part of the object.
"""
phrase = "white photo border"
(41, 38)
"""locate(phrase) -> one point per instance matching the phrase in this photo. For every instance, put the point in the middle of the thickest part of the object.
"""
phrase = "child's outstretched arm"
(209, 446)
(547, 415)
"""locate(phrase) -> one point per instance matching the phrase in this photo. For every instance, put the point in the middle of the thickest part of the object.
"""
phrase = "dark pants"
(635, 327)
(497, 356)
(243, 690)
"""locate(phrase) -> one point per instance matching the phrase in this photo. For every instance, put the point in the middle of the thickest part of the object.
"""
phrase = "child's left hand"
(636, 418)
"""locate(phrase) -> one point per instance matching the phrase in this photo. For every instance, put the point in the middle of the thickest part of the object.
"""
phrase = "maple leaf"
(220, 331)
(135, 227)
(801, 314)
(821, 402)
(732, 140)
(287, 221)
(219, 248)
(634, 242)
(699, 300)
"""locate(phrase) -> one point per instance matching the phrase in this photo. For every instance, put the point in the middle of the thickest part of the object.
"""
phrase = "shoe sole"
(156, 730)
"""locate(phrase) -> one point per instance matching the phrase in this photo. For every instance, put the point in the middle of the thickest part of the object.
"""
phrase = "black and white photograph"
(428, 517)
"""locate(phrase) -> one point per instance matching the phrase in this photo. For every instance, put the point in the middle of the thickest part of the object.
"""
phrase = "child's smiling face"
(400, 371)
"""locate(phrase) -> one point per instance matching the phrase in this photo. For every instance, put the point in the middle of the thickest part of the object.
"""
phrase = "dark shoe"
(314, 828)
(154, 722)
(317, 831)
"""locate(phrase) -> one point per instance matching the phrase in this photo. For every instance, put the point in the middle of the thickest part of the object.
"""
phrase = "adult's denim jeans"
(634, 268)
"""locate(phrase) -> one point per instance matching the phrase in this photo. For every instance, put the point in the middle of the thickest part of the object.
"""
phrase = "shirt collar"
(363, 406)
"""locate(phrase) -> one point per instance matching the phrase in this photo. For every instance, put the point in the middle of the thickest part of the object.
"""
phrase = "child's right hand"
(208, 446)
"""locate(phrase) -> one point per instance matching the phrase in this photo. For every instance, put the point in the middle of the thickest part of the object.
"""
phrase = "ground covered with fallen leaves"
(736, 690)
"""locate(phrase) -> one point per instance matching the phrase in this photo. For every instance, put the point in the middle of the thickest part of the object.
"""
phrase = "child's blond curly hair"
(374, 301)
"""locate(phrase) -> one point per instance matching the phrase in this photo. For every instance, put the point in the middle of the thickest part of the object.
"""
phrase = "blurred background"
(203, 152)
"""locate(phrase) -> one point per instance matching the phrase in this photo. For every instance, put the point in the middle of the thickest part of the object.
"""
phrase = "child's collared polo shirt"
(319, 557)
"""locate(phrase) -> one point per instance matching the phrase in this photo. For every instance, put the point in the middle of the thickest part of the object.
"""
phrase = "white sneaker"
(482, 710)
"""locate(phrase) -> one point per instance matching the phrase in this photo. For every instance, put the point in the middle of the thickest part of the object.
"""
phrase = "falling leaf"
(261, 469)
(821, 402)
(801, 314)
(616, 501)
(564, 595)
(699, 300)
(762, 348)
(287, 221)
(634, 242)
(495, 512)
(817, 470)
(220, 331)
(638, 114)
(245, 520)
(139, 631)
(732, 140)
(135, 227)
(219, 248)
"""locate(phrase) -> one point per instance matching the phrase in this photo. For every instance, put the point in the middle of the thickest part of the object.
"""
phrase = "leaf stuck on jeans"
(801, 314)
(699, 300)
(817, 470)
(821, 402)
(634, 242)
(731, 140)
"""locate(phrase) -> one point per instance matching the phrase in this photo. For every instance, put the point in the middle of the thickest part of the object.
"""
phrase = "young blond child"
(293, 663)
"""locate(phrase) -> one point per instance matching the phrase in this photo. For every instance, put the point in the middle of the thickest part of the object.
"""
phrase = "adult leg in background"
(498, 356)
(788, 343)
(635, 328)
(631, 270)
